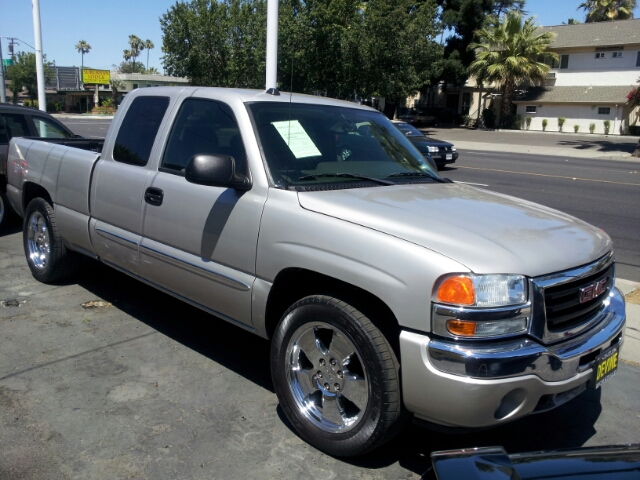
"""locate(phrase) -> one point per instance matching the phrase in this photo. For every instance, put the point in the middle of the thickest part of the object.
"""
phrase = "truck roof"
(246, 95)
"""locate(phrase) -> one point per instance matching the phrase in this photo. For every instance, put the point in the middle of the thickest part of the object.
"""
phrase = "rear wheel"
(47, 257)
(336, 376)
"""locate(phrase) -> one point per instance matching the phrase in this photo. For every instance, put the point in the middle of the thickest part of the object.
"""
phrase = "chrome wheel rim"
(38, 241)
(326, 376)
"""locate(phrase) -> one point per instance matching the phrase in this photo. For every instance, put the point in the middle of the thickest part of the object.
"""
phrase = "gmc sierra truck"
(387, 292)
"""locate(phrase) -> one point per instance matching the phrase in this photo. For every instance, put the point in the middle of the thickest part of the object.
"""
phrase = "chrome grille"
(566, 306)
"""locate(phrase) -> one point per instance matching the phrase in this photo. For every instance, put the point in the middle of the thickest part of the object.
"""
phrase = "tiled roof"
(614, 94)
(597, 34)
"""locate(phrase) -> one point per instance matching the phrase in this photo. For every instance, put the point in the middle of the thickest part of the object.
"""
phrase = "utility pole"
(37, 32)
(3, 93)
(272, 47)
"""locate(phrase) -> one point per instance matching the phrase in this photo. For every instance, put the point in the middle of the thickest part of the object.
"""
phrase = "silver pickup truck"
(387, 292)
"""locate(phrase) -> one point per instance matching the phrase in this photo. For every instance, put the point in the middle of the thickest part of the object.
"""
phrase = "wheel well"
(32, 190)
(293, 284)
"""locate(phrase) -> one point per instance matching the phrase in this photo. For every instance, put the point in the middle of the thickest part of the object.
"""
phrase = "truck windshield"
(307, 144)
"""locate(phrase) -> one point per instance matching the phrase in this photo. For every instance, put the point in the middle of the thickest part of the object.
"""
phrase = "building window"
(599, 54)
(564, 61)
(638, 60)
(135, 85)
(531, 109)
(617, 54)
(604, 110)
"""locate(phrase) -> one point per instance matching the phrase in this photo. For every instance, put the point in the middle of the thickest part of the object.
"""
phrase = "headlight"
(480, 306)
(482, 290)
(434, 149)
(453, 149)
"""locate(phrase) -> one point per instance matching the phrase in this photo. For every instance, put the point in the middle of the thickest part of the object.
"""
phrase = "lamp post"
(37, 32)
(3, 93)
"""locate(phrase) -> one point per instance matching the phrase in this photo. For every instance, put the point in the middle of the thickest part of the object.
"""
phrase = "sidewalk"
(631, 349)
(609, 147)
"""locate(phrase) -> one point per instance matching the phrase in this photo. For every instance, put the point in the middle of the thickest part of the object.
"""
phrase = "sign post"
(96, 78)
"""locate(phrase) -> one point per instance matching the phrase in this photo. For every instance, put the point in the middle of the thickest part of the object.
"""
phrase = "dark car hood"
(428, 141)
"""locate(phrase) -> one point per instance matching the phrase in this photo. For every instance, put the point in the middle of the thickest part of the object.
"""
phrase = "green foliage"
(332, 47)
(466, 120)
(103, 110)
(606, 10)
(528, 121)
(576, 128)
(561, 121)
(23, 75)
(108, 102)
(607, 126)
(510, 52)
(53, 106)
(545, 122)
(592, 127)
(516, 122)
(489, 117)
(31, 103)
(131, 67)
(83, 47)
(463, 18)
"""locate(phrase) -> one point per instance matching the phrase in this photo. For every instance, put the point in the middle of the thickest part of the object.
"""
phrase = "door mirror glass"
(216, 171)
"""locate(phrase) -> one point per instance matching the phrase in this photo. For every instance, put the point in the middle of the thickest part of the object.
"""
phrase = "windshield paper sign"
(297, 138)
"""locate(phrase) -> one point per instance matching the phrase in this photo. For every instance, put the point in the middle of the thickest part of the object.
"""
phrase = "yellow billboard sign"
(96, 77)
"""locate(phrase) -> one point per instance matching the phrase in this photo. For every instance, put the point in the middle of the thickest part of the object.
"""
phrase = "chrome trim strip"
(441, 313)
(539, 284)
(525, 356)
(116, 238)
(196, 269)
(180, 297)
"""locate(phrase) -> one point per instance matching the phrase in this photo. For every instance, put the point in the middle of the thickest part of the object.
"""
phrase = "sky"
(107, 24)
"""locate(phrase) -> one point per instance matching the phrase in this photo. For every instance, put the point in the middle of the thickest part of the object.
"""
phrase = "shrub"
(466, 120)
(53, 106)
(107, 102)
(516, 122)
(561, 121)
(607, 126)
(31, 103)
(103, 110)
(592, 127)
(528, 122)
(576, 128)
(634, 130)
(545, 122)
(489, 118)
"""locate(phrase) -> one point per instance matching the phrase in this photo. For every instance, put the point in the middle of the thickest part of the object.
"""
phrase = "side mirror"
(215, 171)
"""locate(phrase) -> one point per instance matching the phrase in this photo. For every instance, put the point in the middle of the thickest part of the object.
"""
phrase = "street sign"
(7, 62)
(96, 77)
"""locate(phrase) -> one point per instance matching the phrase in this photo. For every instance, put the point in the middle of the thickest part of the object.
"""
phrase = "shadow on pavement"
(232, 347)
(14, 225)
(568, 426)
(599, 145)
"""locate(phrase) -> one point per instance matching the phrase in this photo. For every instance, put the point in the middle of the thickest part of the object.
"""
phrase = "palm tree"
(127, 55)
(148, 44)
(83, 47)
(605, 10)
(136, 45)
(509, 53)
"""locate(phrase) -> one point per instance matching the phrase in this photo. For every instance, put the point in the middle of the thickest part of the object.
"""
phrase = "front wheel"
(47, 257)
(336, 377)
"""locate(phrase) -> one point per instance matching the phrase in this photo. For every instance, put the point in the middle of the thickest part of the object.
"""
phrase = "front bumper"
(441, 158)
(481, 385)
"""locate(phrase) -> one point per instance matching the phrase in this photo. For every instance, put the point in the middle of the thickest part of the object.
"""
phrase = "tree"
(23, 75)
(130, 67)
(572, 21)
(148, 44)
(606, 10)
(151, 71)
(509, 53)
(464, 18)
(136, 46)
(116, 87)
(83, 47)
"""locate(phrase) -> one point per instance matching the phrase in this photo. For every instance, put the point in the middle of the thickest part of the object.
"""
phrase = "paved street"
(150, 387)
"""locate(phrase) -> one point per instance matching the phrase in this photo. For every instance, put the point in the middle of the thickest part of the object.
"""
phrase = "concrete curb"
(539, 150)
(630, 351)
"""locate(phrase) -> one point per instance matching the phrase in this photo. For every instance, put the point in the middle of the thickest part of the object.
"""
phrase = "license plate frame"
(605, 367)
(449, 156)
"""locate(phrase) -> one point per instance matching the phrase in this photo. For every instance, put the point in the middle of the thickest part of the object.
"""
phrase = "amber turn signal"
(457, 290)
(461, 328)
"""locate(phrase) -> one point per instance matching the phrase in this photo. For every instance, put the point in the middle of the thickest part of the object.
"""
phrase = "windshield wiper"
(414, 174)
(346, 175)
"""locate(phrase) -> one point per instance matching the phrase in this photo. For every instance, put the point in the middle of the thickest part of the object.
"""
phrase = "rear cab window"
(49, 129)
(139, 129)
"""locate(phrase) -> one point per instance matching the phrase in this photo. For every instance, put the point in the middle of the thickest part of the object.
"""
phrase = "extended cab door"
(118, 186)
(199, 242)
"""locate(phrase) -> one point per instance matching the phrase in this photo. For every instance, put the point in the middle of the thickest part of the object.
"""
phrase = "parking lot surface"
(137, 384)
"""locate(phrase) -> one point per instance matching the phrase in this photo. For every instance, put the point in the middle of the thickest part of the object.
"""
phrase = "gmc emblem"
(594, 290)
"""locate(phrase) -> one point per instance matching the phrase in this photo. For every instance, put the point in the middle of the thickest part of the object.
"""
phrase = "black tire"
(59, 263)
(384, 415)
(5, 209)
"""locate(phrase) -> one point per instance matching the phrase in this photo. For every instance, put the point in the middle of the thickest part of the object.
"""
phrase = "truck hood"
(485, 231)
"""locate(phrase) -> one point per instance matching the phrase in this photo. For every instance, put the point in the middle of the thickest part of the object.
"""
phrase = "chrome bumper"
(479, 385)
